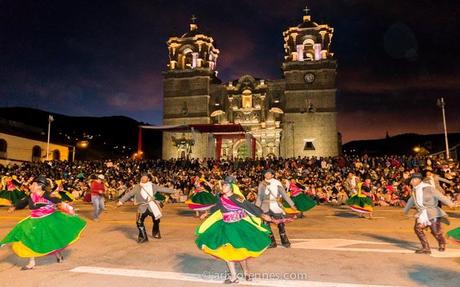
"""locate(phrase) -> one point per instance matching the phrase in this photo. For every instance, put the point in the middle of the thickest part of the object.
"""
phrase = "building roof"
(201, 128)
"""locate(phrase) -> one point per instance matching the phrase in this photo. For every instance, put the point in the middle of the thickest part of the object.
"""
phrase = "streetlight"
(440, 103)
(50, 119)
(82, 144)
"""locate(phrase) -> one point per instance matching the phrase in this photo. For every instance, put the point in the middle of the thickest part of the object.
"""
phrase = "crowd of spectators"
(327, 180)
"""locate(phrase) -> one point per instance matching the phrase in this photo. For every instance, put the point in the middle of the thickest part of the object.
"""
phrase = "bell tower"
(309, 69)
(187, 91)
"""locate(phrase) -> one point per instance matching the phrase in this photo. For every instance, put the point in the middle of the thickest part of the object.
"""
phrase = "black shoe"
(272, 244)
(60, 259)
(423, 251)
(142, 240)
(157, 236)
(442, 248)
(229, 281)
(285, 241)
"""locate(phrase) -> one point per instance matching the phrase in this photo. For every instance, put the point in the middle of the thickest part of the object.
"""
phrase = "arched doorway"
(56, 155)
(3, 148)
(36, 153)
(242, 150)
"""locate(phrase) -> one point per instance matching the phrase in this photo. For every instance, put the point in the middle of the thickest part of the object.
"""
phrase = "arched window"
(3, 148)
(36, 153)
(187, 58)
(308, 49)
(246, 99)
(56, 155)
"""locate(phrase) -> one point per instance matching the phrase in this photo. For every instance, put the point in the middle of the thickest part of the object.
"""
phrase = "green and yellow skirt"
(235, 241)
(202, 200)
(360, 203)
(301, 201)
(11, 197)
(35, 237)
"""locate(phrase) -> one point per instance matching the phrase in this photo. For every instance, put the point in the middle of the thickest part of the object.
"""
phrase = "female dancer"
(201, 199)
(46, 231)
(301, 201)
(234, 232)
(362, 201)
(10, 193)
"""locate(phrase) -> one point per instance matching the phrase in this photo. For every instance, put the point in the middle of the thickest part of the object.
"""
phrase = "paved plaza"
(331, 246)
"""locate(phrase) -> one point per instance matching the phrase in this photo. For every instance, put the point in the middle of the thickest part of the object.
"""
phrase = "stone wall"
(319, 128)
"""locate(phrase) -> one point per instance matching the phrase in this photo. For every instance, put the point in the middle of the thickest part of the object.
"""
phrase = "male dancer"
(270, 190)
(425, 197)
(144, 197)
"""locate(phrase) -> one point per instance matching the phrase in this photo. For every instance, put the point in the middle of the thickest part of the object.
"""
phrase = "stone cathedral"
(288, 117)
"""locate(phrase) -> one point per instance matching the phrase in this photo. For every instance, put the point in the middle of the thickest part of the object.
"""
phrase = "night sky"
(98, 58)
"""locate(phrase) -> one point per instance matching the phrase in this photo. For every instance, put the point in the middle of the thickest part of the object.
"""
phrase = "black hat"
(268, 171)
(41, 179)
(416, 175)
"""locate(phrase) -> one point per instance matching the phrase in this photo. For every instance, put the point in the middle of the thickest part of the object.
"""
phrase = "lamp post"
(50, 119)
(442, 105)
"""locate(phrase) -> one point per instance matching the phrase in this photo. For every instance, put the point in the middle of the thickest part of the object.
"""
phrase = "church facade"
(289, 117)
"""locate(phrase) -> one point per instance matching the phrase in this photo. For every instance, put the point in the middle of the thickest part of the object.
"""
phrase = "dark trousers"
(281, 229)
(141, 227)
(435, 228)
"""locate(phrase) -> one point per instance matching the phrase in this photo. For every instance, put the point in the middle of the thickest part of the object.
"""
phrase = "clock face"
(309, 78)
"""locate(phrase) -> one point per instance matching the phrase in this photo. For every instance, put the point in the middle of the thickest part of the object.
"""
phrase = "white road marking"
(357, 216)
(191, 277)
(337, 244)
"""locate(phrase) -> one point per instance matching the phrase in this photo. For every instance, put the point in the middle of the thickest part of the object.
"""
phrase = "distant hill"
(401, 144)
(108, 137)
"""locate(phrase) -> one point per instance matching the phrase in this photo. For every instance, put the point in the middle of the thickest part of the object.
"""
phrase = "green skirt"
(11, 197)
(302, 202)
(34, 237)
(235, 241)
(454, 235)
(362, 204)
(203, 197)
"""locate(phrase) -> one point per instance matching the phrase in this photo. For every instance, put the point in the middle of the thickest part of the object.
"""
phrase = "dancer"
(46, 231)
(201, 199)
(234, 232)
(426, 197)
(301, 201)
(11, 194)
(362, 201)
(63, 194)
(270, 191)
(144, 196)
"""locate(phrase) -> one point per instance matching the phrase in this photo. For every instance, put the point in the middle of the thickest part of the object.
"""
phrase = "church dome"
(308, 24)
(308, 41)
(192, 50)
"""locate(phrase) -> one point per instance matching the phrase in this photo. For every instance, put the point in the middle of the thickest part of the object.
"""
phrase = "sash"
(153, 206)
